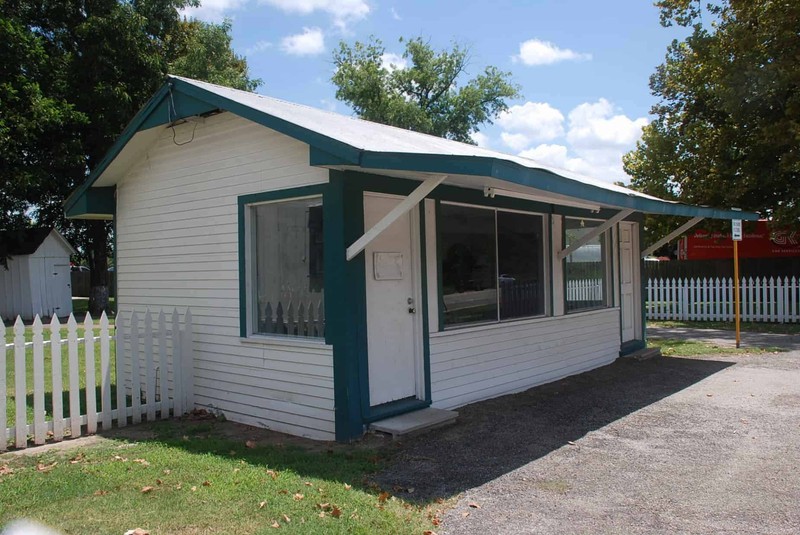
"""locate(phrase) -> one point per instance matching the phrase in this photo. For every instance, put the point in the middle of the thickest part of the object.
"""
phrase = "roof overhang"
(178, 99)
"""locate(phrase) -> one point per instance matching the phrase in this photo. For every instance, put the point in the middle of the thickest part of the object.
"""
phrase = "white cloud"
(530, 123)
(594, 126)
(343, 12)
(392, 62)
(538, 52)
(395, 16)
(555, 155)
(259, 46)
(480, 138)
(309, 43)
(213, 10)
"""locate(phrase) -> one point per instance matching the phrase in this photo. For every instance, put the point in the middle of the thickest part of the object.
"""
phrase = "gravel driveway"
(669, 445)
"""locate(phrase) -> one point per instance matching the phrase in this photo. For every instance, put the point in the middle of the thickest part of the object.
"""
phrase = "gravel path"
(669, 445)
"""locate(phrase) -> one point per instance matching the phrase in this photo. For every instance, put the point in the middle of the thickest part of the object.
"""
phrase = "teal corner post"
(344, 302)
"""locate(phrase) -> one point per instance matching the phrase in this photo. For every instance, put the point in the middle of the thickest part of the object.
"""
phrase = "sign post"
(736, 236)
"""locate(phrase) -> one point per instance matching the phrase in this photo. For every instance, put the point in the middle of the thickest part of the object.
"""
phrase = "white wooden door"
(58, 288)
(394, 330)
(629, 270)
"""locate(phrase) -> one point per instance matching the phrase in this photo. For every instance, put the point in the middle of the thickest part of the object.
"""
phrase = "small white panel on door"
(388, 266)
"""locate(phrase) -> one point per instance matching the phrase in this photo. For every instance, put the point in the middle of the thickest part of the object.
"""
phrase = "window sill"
(275, 341)
(514, 323)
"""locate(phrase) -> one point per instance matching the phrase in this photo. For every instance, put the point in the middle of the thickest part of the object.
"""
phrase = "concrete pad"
(415, 422)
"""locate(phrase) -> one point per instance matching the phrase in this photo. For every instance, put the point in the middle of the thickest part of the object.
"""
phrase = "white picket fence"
(153, 374)
(774, 299)
(585, 289)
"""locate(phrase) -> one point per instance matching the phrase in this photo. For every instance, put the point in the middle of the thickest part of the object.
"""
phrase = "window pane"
(520, 258)
(469, 271)
(288, 255)
(585, 268)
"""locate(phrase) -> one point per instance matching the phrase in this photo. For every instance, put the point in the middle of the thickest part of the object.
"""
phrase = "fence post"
(74, 381)
(187, 360)
(58, 387)
(136, 374)
(105, 373)
(150, 384)
(177, 368)
(39, 429)
(119, 354)
(91, 377)
(163, 367)
(3, 390)
(21, 389)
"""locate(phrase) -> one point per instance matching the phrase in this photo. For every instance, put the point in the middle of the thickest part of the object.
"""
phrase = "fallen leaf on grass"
(273, 474)
(78, 458)
(121, 459)
(40, 467)
(206, 483)
(194, 489)
(347, 487)
(158, 482)
(167, 472)
(137, 531)
(100, 492)
(275, 525)
(286, 519)
(250, 444)
(142, 462)
(5, 470)
(308, 484)
(474, 505)
(383, 496)
(261, 505)
(336, 512)
(435, 521)
(428, 532)
(297, 497)
(147, 489)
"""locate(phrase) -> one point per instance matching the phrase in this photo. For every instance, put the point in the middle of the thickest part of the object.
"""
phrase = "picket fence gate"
(154, 377)
(773, 299)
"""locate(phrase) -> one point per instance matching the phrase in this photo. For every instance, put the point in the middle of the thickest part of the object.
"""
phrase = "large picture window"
(287, 279)
(492, 264)
(586, 269)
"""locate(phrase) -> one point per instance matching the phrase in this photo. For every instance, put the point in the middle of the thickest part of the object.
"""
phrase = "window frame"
(247, 261)
(546, 267)
(608, 267)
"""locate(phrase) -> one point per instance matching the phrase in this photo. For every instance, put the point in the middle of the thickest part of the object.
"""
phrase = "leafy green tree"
(75, 73)
(428, 95)
(727, 127)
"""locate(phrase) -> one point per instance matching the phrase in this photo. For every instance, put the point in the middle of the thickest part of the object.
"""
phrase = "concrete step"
(645, 354)
(414, 422)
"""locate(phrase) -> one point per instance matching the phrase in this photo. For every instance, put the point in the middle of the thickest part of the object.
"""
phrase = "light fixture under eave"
(494, 192)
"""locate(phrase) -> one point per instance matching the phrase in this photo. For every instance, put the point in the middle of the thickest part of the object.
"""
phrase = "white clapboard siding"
(766, 299)
(46, 346)
(177, 245)
(473, 364)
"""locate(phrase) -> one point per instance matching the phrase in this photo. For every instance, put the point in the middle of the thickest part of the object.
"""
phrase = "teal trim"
(631, 346)
(550, 270)
(242, 202)
(395, 408)
(426, 346)
(539, 179)
(642, 283)
(130, 130)
(345, 303)
(342, 151)
(184, 106)
(99, 203)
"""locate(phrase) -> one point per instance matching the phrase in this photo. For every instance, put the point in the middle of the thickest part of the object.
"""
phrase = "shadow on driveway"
(496, 436)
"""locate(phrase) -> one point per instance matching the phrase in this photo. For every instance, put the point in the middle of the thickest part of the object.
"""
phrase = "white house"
(37, 280)
(340, 272)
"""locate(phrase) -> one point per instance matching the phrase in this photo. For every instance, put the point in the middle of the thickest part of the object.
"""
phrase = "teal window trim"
(243, 202)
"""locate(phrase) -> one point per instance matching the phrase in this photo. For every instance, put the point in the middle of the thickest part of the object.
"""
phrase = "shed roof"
(27, 241)
(340, 141)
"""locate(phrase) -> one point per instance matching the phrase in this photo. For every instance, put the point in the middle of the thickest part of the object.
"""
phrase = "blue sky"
(583, 65)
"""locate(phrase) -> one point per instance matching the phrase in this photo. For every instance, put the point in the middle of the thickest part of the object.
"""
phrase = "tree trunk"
(98, 264)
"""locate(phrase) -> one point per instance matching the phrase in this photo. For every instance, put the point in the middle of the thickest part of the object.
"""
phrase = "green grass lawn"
(10, 372)
(191, 478)
(673, 347)
(752, 327)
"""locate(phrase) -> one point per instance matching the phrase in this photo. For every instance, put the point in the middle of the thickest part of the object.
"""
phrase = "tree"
(76, 73)
(727, 127)
(425, 96)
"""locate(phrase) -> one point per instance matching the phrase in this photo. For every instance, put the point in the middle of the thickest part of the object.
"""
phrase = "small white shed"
(37, 280)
